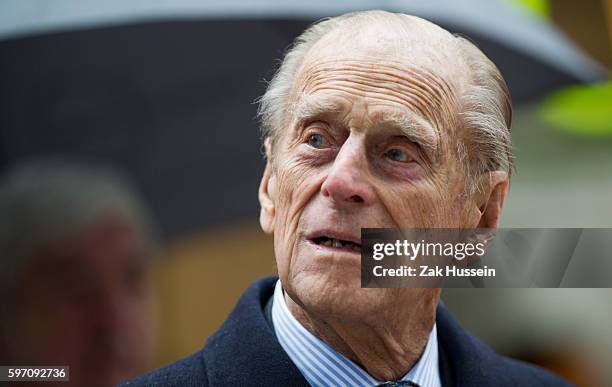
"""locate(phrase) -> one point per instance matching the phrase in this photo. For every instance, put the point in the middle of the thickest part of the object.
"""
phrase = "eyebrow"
(310, 106)
(411, 126)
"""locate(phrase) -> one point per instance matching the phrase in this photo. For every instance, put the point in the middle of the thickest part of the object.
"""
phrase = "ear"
(492, 199)
(267, 194)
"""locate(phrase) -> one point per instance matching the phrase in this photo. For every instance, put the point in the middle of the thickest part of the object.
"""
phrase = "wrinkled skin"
(371, 142)
(84, 303)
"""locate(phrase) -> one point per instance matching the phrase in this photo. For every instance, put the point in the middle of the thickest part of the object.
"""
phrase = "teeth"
(340, 244)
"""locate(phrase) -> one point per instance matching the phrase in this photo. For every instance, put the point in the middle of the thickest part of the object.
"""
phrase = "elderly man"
(75, 245)
(373, 120)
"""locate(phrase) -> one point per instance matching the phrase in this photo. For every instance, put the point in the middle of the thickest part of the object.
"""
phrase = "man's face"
(370, 143)
(84, 303)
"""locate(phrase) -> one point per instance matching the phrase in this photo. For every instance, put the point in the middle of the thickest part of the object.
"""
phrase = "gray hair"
(486, 108)
(486, 116)
(49, 201)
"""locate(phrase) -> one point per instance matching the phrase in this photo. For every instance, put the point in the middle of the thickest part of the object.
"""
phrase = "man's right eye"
(318, 141)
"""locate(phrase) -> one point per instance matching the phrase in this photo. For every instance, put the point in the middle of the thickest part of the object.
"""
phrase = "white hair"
(485, 106)
(50, 201)
(486, 116)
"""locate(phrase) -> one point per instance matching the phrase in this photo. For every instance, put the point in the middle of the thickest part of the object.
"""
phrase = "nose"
(347, 182)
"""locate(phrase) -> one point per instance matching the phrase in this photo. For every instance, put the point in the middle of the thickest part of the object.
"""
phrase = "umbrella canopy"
(165, 90)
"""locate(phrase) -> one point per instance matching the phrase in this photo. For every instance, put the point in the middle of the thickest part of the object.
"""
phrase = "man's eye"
(317, 141)
(398, 155)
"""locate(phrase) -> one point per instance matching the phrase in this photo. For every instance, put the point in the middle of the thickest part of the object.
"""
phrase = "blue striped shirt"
(321, 365)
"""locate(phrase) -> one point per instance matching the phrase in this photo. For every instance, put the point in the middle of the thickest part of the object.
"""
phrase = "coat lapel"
(245, 351)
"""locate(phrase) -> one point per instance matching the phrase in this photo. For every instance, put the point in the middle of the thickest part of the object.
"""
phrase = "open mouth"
(337, 243)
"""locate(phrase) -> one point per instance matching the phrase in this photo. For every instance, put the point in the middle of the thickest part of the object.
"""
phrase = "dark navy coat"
(245, 352)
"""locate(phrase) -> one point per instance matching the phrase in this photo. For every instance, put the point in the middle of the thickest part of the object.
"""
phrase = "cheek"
(295, 175)
(297, 184)
(426, 204)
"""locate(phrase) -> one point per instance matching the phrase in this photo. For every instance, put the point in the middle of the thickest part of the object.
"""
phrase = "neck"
(387, 349)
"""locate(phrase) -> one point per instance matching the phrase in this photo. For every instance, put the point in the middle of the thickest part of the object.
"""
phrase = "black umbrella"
(171, 102)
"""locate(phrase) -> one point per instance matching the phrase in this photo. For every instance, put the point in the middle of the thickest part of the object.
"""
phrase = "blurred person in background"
(75, 246)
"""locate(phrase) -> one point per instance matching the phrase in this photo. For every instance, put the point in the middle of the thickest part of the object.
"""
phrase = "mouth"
(333, 242)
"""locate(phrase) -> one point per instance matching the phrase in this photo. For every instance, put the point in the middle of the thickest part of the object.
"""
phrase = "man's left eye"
(398, 155)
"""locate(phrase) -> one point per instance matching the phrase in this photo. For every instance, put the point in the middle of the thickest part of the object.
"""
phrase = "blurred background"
(162, 92)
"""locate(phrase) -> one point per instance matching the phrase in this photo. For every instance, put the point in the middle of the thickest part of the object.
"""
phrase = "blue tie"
(401, 383)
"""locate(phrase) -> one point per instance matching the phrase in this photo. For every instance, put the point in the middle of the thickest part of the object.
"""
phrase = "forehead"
(419, 73)
(381, 85)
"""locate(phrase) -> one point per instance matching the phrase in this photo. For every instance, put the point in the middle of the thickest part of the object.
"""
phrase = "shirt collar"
(321, 365)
